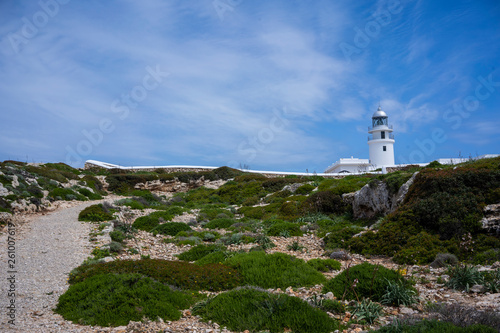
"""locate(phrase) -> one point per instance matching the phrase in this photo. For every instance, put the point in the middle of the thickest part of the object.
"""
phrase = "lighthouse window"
(383, 135)
(384, 147)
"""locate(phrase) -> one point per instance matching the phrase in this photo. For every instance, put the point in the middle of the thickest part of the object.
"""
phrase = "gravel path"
(46, 249)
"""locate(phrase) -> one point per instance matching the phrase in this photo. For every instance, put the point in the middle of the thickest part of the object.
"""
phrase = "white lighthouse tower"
(381, 141)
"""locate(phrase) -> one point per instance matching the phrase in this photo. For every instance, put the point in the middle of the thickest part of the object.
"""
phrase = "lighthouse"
(381, 140)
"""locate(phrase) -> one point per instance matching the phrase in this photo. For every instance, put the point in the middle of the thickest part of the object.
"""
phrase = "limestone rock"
(477, 288)
(371, 200)
(292, 187)
(403, 190)
(348, 198)
(3, 191)
(340, 255)
(491, 219)
(374, 199)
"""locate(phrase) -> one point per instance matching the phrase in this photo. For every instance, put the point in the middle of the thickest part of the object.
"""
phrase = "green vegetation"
(371, 282)
(170, 228)
(200, 251)
(257, 310)
(114, 300)
(324, 265)
(276, 270)
(180, 274)
(151, 221)
(434, 326)
(95, 213)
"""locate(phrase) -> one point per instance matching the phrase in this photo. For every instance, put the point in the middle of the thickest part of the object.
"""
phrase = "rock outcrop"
(491, 219)
(375, 199)
(173, 186)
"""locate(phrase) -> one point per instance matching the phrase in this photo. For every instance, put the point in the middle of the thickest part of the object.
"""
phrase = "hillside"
(432, 229)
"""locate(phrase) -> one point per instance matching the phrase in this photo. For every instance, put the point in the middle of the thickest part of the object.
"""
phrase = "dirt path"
(46, 249)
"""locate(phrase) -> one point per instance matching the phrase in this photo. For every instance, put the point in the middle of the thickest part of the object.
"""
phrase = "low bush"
(324, 202)
(114, 300)
(443, 260)
(332, 306)
(305, 189)
(464, 277)
(217, 257)
(277, 229)
(276, 270)
(221, 223)
(257, 310)
(170, 228)
(117, 236)
(213, 213)
(199, 251)
(66, 194)
(396, 294)
(433, 326)
(324, 265)
(94, 213)
(115, 247)
(151, 221)
(371, 282)
(89, 194)
(184, 275)
(367, 311)
(463, 316)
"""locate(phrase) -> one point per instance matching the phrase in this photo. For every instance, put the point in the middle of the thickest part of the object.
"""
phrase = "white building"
(349, 165)
(381, 149)
(381, 141)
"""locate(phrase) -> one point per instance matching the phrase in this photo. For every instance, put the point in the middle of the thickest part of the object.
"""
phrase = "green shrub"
(133, 204)
(94, 184)
(257, 310)
(444, 259)
(199, 251)
(124, 183)
(433, 326)
(372, 282)
(94, 213)
(332, 306)
(170, 228)
(396, 294)
(276, 270)
(464, 277)
(117, 236)
(151, 221)
(213, 213)
(221, 223)
(217, 257)
(420, 249)
(115, 247)
(180, 274)
(305, 189)
(324, 202)
(324, 265)
(367, 310)
(89, 194)
(278, 228)
(114, 300)
(65, 194)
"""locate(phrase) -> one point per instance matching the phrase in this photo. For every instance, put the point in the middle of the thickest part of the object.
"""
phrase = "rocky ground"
(49, 245)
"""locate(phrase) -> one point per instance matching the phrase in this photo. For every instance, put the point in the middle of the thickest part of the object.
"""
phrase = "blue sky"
(286, 85)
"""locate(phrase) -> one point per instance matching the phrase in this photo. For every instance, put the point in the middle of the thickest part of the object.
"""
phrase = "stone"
(375, 199)
(477, 288)
(3, 191)
(371, 200)
(491, 220)
(340, 255)
(292, 187)
(401, 195)
(329, 295)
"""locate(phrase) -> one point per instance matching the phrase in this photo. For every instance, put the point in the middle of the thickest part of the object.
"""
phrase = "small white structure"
(381, 141)
(349, 165)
